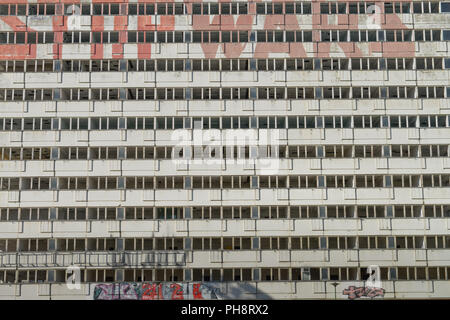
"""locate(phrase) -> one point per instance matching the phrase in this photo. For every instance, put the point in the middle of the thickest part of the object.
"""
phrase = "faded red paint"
(291, 22)
(297, 49)
(262, 50)
(200, 23)
(276, 22)
(18, 51)
(167, 23)
(15, 23)
(218, 22)
(145, 23)
(121, 25)
(396, 49)
(97, 24)
(224, 23)
(144, 50)
(58, 25)
(351, 22)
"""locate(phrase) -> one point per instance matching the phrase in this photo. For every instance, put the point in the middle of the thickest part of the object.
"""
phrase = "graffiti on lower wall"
(358, 292)
(155, 291)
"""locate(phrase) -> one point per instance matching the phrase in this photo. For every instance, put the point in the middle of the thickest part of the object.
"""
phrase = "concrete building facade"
(224, 149)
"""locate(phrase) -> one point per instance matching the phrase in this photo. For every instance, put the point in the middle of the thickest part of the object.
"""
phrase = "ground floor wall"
(227, 290)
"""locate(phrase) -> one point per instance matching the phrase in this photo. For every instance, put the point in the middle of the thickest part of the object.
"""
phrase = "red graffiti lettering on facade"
(17, 51)
(154, 291)
(151, 291)
(177, 293)
(196, 291)
(373, 19)
(227, 23)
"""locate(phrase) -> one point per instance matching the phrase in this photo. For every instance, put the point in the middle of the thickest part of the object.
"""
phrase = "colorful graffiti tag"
(358, 292)
(155, 291)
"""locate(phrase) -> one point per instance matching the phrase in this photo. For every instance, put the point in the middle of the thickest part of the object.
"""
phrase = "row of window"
(32, 37)
(226, 36)
(418, 7)
(224, 182)
(241, 122)
(106, 9)
(224, 8)
(273, 64)
(226, 243)
(242, 152)
(227, 274)
(270, 36)
(222, 93)
(202, 152)
(225, 212)
(92, 9)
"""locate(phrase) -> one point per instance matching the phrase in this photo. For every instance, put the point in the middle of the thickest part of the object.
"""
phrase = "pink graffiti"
(241, 22)
(358, 292)
(291, 23)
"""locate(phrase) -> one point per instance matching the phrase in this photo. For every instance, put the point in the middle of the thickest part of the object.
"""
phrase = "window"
(445, 7)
